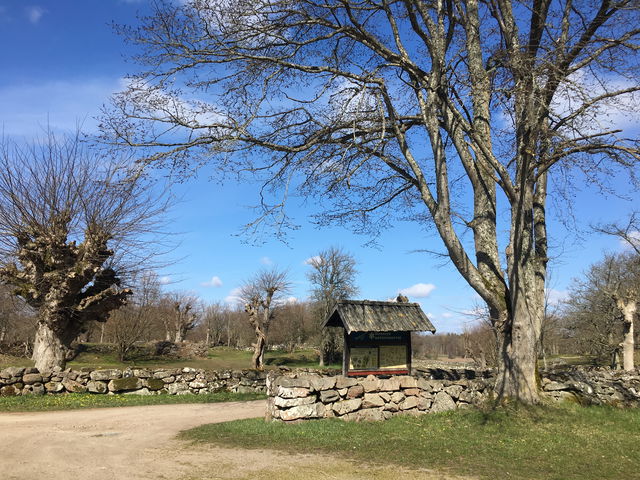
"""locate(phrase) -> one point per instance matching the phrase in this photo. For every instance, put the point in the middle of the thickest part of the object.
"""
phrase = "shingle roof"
(371, 316)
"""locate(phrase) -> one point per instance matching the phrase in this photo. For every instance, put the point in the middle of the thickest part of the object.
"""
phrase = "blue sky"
(61, 61)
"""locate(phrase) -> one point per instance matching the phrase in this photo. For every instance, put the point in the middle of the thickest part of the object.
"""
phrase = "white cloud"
(419, 290)
(554, 297)
(633, 240)
(35, 13)
(313, 260)
(215, 282)
(290, 300)
(164, 280)
(447, 315)
(234, 297)
(266, 261)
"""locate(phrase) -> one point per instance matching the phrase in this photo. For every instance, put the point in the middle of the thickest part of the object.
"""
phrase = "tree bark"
(49, 349)
(257, 360)
(628, 344)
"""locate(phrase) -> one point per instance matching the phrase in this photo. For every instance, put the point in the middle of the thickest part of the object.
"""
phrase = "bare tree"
(261, 295)
(333, 278)
(71, 228)
(130, 323)
(602, 307)
(180, 314)
(458, 113)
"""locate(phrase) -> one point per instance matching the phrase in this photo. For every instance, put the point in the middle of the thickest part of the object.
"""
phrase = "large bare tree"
(332, 277)
(261, 295)
(71, 232)
(454, 113)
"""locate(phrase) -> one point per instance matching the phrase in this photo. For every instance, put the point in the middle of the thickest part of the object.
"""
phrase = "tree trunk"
(628, 345)
(49, 350)
(519, 339)
(257, 360)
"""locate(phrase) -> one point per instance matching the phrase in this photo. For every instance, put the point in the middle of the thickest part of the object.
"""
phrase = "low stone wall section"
(301, 396)
(305, 396)
(180, 381)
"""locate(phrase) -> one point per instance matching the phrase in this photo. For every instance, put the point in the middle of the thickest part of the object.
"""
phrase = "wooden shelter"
(377, 335)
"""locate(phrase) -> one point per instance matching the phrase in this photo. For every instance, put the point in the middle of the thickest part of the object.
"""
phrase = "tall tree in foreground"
(333, 277)
(261, 295)
(71, 230)
(455, 113)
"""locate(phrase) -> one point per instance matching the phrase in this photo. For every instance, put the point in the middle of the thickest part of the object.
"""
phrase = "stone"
(329, 396)
(11, 372)
(453, 391)
(31, 378)
(412, 392)
(442, 403)
(556, 386)
(407, 381)
(397, 397)
(9, 391)
(189, 370)
(163, 374)
(345, 382)
(294, 392)
(355, 392)
(468, 396)
(290, 382)
(31, 370)
(318, 383)
(198, 384)
(347, 406)
(105, 375)
(315, 410)
(385, 396)
(72, 386)
(371, 384)
(372, 400)
(54, 387)
(343, 392)
(178, 388)
(369, 415)
(188, 377)
(142, 373)
(169, 379)
(293, 402)
(391, 407)
(125, 384)
(424, 403)
(390, 384)
(142, 391)
(96, 386)
(409, 403)
(33, 389)
(154, 383)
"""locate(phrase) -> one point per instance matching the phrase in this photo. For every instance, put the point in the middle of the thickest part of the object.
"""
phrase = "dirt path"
(138, 443)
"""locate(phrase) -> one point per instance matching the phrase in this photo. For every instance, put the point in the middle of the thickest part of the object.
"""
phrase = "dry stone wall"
(309, 395)
(301, 396)
(29, 381)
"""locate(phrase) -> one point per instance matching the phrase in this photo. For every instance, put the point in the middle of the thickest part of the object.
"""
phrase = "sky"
(61, 61)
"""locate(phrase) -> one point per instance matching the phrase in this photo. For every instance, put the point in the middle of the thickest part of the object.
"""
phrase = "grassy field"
(219, 358)
(33, 403)
(543, 443)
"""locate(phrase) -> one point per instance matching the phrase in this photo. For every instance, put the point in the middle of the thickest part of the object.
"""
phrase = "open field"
(542, 443)
(219, 358)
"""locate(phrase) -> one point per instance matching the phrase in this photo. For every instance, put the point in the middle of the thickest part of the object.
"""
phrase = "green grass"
(220, 358)
(542, 443)
(34, 403)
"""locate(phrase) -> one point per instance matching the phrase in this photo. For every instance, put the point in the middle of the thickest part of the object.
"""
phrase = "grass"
(220, 358)
(543, 443)
(35, 403)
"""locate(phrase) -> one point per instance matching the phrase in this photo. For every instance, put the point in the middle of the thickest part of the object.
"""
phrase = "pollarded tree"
(333, 277)
(602, 307)
(71, 228)
(261, 295)
(458, 113)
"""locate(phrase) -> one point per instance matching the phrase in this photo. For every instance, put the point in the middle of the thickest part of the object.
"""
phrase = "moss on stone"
(124, 384)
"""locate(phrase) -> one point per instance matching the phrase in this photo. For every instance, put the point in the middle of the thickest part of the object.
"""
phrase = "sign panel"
(393, 357)
(363, 358)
